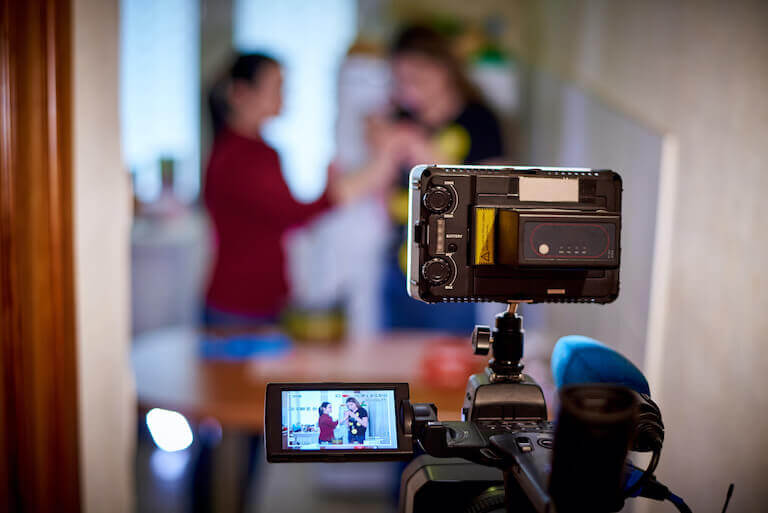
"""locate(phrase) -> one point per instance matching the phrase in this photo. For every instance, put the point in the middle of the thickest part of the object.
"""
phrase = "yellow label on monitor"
(485, 221)
(506, 253)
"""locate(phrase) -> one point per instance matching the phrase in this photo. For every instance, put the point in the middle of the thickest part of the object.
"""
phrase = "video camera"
(509, 235)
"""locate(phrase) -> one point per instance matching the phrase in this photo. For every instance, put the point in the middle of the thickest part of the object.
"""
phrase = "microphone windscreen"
(578, 359)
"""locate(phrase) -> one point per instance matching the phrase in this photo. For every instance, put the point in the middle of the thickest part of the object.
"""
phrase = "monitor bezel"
(273, 425)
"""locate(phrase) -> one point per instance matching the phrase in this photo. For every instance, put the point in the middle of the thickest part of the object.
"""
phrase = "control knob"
(481, 340)
(437, 271)
(438, 199)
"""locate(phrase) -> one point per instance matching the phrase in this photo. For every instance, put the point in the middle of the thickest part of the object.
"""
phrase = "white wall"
(699, 72)
(102, 223)
(567, 126)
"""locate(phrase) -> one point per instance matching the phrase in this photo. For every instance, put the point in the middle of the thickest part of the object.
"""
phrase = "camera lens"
(437, 271)
(438, 199)
(594, 432)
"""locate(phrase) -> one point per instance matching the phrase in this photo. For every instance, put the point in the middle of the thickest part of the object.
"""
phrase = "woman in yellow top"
(439, 117)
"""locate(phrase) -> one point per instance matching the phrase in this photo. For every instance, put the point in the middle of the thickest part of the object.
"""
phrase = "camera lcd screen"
(316, 420)
(336, 422)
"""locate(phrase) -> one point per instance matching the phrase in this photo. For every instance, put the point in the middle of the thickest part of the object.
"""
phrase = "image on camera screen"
(315, 420)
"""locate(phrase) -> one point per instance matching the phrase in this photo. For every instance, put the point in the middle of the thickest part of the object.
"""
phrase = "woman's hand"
(374, 177)
(392, 145)
(384, 137)
(419, 148)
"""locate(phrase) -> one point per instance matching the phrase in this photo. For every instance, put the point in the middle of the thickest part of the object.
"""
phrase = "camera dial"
(437, 271)
(438, 199)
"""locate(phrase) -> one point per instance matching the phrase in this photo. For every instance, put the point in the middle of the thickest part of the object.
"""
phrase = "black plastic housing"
(273, 425)
(445, 484)
(514, 234)
(595, 429)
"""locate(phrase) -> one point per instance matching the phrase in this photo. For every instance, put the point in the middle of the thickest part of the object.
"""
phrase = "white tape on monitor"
(551, 190)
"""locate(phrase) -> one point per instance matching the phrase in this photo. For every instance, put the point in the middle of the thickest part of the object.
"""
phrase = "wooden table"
(170, 373)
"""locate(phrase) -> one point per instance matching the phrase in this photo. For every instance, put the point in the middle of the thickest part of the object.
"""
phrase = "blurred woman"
(326, 423)
(249, 202)
(441, 118)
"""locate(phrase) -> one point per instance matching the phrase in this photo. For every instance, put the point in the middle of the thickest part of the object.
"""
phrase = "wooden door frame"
(39, 452)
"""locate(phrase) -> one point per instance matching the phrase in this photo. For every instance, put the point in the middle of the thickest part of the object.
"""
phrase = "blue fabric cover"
(579, 359)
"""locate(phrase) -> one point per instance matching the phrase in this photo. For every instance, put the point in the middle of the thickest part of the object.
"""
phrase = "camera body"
(476, 481)
(506, 234)
(479, 233)
(523, 448)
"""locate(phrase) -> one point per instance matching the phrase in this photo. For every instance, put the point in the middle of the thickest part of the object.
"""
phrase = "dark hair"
(250, 66)
(424, 41)
(246, 67)
(322, 407)
(353, 400)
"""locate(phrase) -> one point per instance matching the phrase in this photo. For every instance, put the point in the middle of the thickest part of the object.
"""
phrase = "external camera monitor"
(501, 233)
(336, 422)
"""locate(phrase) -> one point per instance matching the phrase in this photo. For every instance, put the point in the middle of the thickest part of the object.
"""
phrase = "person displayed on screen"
(356, 418)
(249, 202)
(441, 118)
(326, 423)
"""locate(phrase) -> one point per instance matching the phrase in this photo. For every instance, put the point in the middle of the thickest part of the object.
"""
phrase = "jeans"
(214, 318)
(403, 312)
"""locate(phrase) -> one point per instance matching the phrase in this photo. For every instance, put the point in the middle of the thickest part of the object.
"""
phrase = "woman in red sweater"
(326, 423)
(249, 202)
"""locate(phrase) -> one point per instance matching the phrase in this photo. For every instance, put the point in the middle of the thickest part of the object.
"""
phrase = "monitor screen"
(328, 420)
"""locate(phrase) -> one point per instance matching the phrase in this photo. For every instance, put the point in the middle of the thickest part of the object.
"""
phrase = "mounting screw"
(481, 340)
